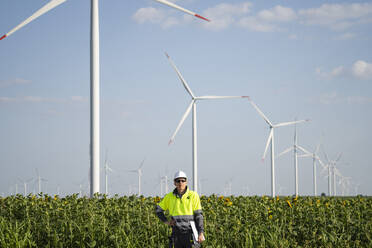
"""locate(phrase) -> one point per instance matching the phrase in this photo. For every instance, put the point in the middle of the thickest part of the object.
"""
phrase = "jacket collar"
(175, 192)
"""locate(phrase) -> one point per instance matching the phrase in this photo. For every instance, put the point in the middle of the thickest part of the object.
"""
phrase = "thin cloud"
(359, 70)
(362, 70)
(254, 24)
(335, 72)
(149, 14)
(277, 14)
(224, 15)
(337, 16)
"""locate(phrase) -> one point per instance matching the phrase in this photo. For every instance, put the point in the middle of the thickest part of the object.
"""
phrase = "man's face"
(180, 184)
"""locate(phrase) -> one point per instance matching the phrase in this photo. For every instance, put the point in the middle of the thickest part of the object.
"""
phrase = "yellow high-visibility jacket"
(182, 210)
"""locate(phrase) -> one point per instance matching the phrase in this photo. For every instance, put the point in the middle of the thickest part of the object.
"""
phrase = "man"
(185, 211)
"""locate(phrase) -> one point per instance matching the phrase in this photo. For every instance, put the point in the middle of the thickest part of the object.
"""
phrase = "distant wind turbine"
(165, 182)
(194, 133)
(331, 165)
(39, 180)
(139, 172)
(25, 182)
(94, 77)
(271, 140)
(295, 150)
(344, 182)
(107, 170)
(315, 158)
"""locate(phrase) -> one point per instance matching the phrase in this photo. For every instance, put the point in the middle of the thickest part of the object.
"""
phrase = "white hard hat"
(180, 174)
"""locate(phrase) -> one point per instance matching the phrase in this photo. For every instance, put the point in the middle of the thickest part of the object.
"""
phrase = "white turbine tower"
(107, 170)
(139, 172)
(165, 181)
(271, 140)
(39, 180)
(315, 158)
(94, 79)
(188, 110)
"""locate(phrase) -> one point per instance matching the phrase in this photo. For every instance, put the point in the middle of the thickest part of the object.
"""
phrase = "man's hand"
(201, 238)
(171, 222)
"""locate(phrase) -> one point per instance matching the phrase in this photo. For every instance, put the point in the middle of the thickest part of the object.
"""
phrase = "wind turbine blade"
(268, 142)
(143, 161)
(305, 156)
(260, 112)
(180, 76)
(289, 123)
(52, 4)
(326, 156)
(337, 172)
(304, 150)
(218, 97)
(321, 162)
(182, 9)
(285, 151)
(181, 122)
(317, 148)
(338, 158)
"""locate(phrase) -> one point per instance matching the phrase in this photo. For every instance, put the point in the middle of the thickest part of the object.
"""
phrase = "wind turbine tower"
(295, 150)
(107, 170)
(39, 179)
(139, 172)
(315, 158)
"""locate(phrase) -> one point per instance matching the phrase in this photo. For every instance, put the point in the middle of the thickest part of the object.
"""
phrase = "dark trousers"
(182, 240)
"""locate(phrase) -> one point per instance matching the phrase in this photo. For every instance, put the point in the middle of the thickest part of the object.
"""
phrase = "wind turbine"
(139, 172)
(315, 158)
(343, 181)
(331, 165)
(228, 187)
(201, 183)
(188, 110)
(356, 187)
(107, 170)
(271, 140)
(94, 79)
(165, 181)
(39, 179)
(25, 182)
(295, 150)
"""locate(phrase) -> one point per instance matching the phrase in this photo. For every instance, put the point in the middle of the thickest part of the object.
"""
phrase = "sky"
(295, 59)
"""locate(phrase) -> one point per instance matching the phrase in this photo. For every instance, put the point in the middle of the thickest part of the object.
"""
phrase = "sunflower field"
(72, 221)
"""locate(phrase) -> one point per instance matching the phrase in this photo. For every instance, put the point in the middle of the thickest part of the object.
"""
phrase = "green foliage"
(45, 221)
